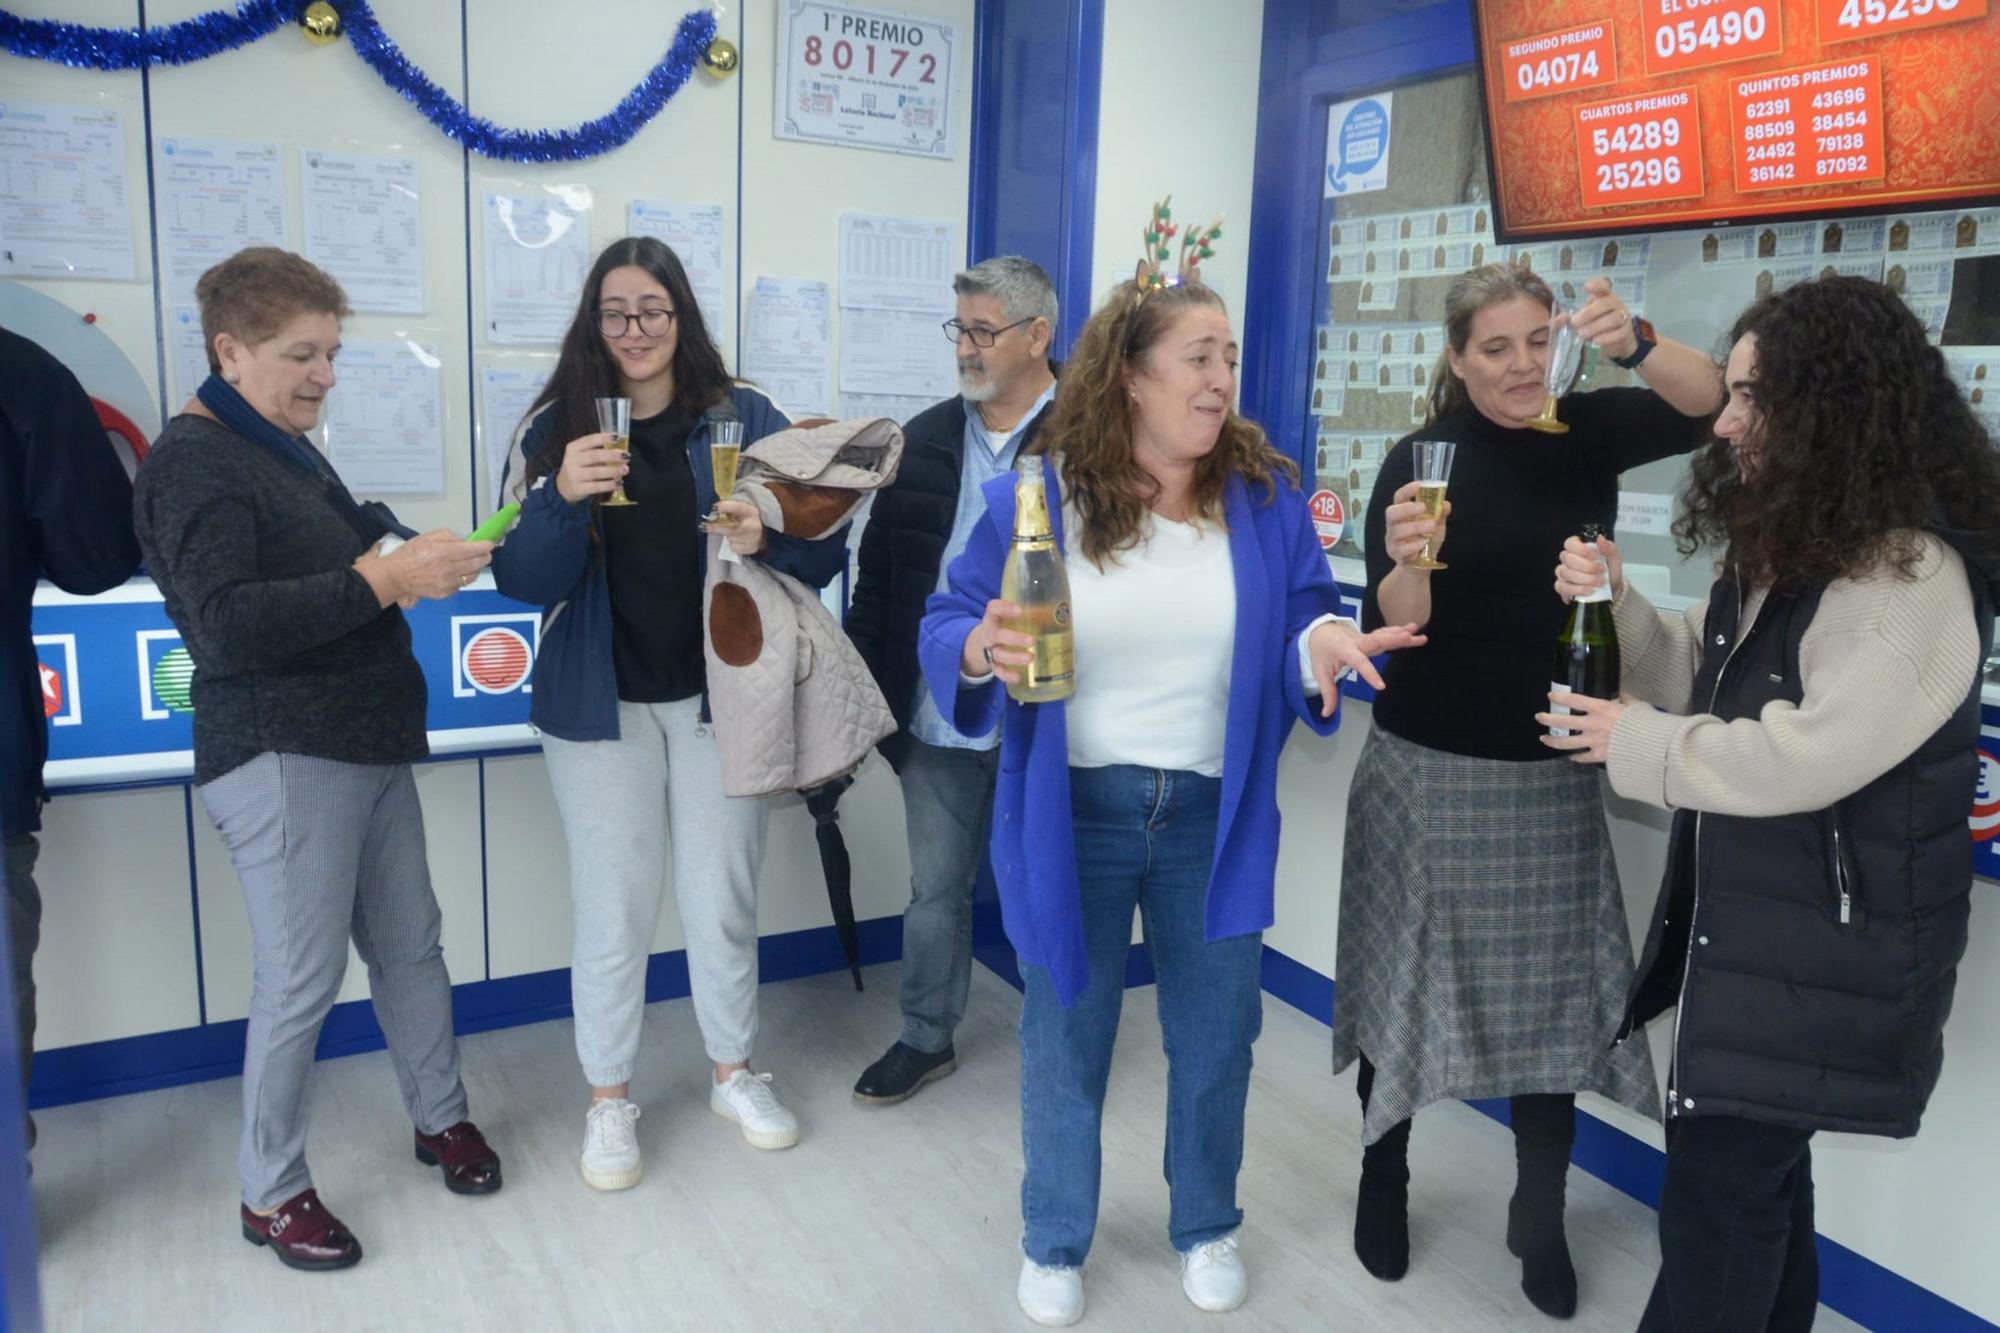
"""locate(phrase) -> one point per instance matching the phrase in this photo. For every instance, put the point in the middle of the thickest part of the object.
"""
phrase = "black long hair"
(585, 371)
(1865, 441)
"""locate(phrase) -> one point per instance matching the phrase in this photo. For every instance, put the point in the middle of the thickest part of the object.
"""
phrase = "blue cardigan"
(1282, 585)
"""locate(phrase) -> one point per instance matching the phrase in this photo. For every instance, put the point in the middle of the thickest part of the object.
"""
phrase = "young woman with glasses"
(621, 679)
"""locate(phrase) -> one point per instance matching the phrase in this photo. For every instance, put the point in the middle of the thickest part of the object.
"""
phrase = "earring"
(229, 376)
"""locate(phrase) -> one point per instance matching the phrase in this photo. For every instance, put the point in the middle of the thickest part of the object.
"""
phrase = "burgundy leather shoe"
(470, 1166)
(303, 1234)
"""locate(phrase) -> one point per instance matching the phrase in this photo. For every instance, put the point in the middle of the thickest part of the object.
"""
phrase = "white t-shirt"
(1155, 638)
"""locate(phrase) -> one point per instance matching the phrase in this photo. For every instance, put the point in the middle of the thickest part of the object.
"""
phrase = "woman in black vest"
(1820, 757)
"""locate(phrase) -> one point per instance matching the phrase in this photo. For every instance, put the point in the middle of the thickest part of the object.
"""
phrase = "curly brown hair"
(1863, 443)
(1092, 426)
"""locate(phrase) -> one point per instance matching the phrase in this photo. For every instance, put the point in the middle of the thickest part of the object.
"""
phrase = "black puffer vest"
(1813, 956)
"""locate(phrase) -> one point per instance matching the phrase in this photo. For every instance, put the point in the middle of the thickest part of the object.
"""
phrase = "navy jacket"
(65, 515)
(1282, 585)
(550, 561)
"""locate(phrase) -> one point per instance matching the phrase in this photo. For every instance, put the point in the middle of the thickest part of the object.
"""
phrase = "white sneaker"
(1213, 1276)
(1052, 1297)
(611, 1144)
(748, 1100)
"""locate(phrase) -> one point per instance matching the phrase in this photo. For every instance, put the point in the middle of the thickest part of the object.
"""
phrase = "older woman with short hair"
(1205, 627)
(308, 712)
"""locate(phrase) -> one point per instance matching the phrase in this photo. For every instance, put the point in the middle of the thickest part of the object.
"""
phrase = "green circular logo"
(173, 680)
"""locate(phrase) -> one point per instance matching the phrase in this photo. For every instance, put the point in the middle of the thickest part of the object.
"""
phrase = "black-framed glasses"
(958, 332)
(616, 323)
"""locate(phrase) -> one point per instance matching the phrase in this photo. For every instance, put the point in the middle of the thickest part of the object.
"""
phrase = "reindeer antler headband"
(1196, 246)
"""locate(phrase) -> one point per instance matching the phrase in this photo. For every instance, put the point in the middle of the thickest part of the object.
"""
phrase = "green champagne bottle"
(1586, 660)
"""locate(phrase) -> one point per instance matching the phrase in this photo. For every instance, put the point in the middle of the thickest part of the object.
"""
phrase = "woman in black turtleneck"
(1483, 944)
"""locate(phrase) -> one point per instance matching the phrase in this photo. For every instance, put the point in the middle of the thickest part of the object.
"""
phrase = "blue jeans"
(1144, 839)
(948, 805)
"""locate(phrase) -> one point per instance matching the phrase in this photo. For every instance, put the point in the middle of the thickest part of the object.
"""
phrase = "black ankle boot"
(1382, 1206)
(1543, 1131)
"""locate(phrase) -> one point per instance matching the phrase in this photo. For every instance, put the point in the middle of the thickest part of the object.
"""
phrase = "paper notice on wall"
(64, 210)
(537, 253)
(216, 197)
(694, 233)
(505, 395)
(896, 264)
(788, 344)
(894, 352)
(1377, 294)
(1357, 145)
(1731, 245)
(384, 422)
(189, 349)
(1644, 513)
(1854, 236)
(364, 226)
(1923, 233)
(1920, 279)
(898, 408)
(1977, 370)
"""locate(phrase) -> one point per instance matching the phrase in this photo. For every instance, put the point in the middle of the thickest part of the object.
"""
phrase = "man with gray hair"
(1004, 327)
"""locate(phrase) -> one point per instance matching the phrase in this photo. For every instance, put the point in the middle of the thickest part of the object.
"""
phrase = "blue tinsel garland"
(210, 34)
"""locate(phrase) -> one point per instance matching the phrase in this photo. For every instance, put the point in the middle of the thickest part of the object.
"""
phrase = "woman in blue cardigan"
(1205, 622)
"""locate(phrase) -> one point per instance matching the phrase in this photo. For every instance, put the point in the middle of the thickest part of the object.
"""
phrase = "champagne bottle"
(1586, 659)
(1034, 580)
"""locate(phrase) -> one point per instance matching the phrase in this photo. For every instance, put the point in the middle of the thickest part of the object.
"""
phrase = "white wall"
(1177, 114)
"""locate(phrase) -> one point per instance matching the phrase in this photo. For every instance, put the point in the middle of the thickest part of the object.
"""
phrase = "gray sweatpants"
(325, 850)
(610, 796)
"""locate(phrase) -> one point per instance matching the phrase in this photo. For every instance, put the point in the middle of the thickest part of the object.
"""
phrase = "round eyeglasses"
(958, 332)
(616, 323)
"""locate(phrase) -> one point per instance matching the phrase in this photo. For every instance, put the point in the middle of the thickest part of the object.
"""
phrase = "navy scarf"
(372, 520)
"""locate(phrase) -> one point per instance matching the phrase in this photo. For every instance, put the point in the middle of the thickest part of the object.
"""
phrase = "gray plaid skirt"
(1483, 948)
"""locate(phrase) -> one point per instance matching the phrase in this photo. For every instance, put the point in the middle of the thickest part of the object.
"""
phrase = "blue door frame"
(1301, 76)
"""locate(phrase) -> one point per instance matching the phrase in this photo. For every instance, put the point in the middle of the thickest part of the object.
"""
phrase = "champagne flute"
(614, 417)
(725, 450)
(1565, 356)
(1433, 472)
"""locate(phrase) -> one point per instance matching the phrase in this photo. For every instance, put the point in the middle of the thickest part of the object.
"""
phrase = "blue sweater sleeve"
(1310, 593)
(972, 581)
(544, 558)
(814, 563)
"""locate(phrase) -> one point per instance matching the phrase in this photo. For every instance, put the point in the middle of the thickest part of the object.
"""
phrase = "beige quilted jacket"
(794, 704)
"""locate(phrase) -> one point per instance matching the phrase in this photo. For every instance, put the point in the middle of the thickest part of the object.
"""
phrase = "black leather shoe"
(897, 1075)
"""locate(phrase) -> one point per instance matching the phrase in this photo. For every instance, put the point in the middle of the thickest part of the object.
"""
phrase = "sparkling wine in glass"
(1433, 463)
(614, 418)
(725, 451)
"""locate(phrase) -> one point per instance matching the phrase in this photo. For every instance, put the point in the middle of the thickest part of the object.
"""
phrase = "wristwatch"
(1642, 330)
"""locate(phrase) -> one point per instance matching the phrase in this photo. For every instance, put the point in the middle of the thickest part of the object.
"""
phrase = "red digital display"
(1642, 115)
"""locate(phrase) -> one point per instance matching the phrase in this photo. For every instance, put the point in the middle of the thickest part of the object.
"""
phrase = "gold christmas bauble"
(721, 58)
(321, 22)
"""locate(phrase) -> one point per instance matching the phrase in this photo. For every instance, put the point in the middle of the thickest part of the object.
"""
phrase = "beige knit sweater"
(1884, 663)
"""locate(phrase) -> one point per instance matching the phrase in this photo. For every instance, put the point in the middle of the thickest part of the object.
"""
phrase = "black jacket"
(909, 527)
(65, 515)
(1813, 956)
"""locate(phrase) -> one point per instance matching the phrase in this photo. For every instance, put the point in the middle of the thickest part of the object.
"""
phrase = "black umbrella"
(824, 803)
